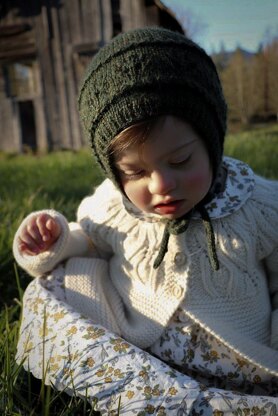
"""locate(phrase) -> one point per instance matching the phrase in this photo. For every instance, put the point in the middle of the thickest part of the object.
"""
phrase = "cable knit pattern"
(233, 303)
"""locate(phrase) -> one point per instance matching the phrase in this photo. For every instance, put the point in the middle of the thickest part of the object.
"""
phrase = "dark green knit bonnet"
(146, 73)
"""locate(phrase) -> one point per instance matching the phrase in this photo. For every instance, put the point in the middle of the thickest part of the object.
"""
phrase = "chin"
(172, 216)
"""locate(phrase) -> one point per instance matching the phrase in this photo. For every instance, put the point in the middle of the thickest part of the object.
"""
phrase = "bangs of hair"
(134, 135)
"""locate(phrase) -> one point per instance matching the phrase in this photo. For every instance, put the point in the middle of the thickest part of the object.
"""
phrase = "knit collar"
(238, 188)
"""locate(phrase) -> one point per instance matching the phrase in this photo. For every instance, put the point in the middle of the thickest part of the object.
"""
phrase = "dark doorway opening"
(28, 126)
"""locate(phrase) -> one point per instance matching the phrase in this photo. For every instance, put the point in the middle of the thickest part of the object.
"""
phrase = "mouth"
(171, 207)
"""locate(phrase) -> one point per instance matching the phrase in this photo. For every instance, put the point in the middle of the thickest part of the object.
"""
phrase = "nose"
(161, 182)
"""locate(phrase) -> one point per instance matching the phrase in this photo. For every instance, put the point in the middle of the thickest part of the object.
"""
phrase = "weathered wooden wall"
(48, 44)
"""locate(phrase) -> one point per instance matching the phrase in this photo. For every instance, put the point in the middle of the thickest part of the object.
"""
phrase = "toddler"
(176, 251)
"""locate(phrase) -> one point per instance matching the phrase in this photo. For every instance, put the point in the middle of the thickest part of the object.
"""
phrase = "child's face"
(168, 174)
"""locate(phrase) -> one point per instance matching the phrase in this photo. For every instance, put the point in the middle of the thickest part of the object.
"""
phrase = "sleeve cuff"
(46, 261)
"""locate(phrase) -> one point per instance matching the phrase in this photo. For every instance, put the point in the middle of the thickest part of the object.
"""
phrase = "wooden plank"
(106, 29)
(63, 116)
(69, 81)
(47, 78)
(74, 19)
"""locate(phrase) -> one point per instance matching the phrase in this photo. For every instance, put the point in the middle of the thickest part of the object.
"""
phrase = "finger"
(34, 232)
(26, 250)
(41, 223)
(54, 228)
(28, 246)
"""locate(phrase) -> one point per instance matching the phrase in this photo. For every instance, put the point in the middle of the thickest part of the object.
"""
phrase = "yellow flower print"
(218, 413)
(256, 411)
(172, 391)
(53, 368)
(214, 354)
(150, 409)
(120, 345)
(90, 362)
(55, 358)
(118, 373)
(68, 371)
(100, 373)
(257, 379)
(58, 315)
(129, 394)
(72, 357)
(35, 305)
(155, 391)
(93, 333)
(108, 380)
(161, 411)
(241, 362)
(147, 390)
(211, 356)
(72, 330)
(144, 374)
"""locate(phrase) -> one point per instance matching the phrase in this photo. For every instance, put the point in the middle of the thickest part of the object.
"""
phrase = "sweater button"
(177, 292)
(180, 259)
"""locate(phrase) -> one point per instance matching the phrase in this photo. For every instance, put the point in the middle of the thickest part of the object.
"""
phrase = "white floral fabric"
(189, 348)
(65, 349)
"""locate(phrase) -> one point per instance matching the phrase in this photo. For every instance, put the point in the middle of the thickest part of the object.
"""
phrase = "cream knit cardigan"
(110, 278)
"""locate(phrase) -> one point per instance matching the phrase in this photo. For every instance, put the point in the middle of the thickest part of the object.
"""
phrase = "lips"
(168, 208)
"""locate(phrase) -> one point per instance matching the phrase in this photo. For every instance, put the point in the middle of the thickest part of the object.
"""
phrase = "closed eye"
(180, 162)
(132, 174)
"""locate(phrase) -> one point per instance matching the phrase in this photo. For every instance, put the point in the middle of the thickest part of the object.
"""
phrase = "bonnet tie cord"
(179, 226)
(210, 238)
(174, 227)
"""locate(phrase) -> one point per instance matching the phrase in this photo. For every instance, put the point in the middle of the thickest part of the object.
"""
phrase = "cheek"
(137, 194)
(199, 180)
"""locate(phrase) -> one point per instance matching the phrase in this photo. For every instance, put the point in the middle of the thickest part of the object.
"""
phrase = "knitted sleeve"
(265, 201)
(89, 236)
(72, 242)
(99, 216)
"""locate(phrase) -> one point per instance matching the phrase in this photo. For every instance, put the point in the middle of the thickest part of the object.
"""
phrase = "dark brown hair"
(134, 135)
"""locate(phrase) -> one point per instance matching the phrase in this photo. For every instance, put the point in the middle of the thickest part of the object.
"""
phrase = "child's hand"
(39, 234)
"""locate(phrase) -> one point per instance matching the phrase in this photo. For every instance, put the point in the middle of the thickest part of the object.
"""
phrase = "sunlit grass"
(258, 148)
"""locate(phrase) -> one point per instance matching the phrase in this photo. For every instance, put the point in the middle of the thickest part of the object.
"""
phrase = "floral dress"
(186, 372)
(67, 350)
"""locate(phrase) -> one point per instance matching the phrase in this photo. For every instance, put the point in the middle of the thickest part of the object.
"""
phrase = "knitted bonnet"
(146, 73)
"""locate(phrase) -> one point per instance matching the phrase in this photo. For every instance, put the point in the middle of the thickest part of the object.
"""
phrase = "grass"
(258, 148)
(60, 180)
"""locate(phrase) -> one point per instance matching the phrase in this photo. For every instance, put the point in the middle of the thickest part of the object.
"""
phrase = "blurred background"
(45, 46)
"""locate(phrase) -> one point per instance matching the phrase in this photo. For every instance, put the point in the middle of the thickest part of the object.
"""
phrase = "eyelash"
(137, 175)
(182, 162)
(131, 176)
